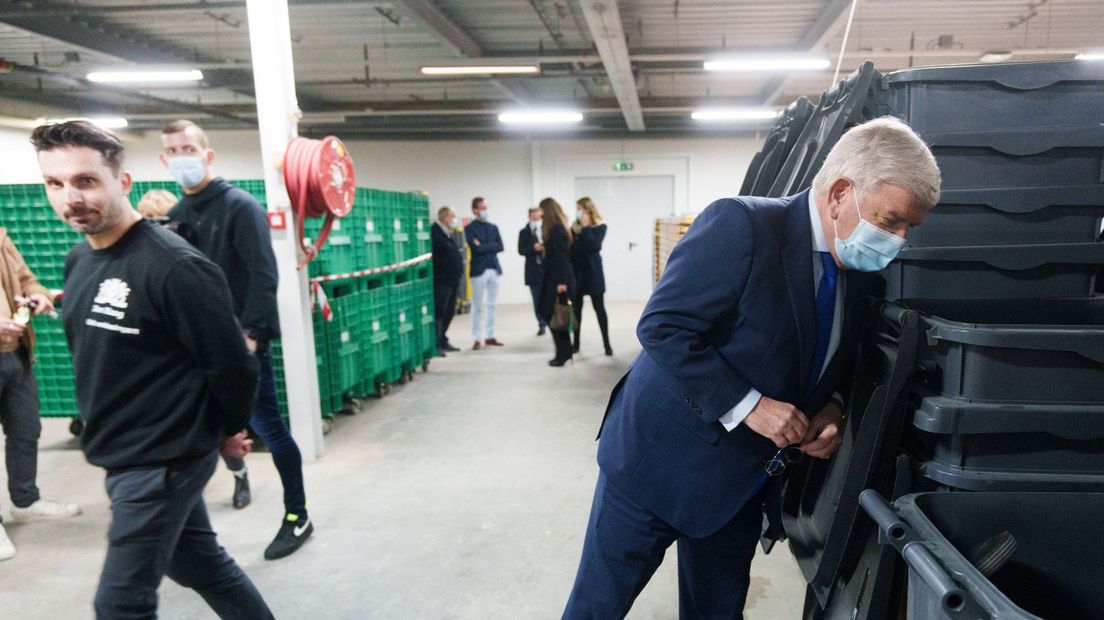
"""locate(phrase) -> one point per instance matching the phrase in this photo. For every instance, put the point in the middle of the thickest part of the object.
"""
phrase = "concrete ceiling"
(358, 62)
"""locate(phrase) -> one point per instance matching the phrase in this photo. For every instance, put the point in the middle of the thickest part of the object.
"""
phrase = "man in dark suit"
(448, 271)
(753, 324)
(530, 246)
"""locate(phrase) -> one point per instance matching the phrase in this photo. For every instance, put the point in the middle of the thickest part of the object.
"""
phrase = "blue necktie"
(825, 309)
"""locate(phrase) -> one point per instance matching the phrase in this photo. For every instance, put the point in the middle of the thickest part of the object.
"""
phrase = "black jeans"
(599, 309)
(270, 427)
(22, 427)
(444, 308)
(159, 526)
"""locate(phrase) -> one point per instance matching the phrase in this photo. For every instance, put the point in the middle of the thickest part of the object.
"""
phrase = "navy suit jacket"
(733, 310)
(534, 270)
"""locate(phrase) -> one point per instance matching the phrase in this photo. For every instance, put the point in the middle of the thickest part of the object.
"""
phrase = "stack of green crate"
(44, 241)
(423, 219)
(382, 324)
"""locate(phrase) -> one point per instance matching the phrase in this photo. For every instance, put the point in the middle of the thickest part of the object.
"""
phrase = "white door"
(629, 207)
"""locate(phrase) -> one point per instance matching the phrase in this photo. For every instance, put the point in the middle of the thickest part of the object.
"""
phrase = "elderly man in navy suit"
(748, 341)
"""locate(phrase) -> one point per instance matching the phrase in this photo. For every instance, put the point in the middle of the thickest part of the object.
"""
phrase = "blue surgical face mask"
(483, 215)
(188, 170)
(867, 248)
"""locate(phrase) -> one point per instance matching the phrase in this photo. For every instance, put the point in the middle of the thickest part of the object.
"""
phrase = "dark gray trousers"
(22, 427)
(159, 527)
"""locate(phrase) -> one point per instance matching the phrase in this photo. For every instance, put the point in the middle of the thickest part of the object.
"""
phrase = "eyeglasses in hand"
(782, 459)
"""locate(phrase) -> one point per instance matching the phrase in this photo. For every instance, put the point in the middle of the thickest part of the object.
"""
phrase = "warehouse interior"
(459, 483)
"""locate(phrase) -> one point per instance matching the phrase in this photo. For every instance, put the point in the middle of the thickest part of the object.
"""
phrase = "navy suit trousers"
(625, 545)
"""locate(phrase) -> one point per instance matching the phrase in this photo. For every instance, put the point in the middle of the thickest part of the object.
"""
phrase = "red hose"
(320, 181)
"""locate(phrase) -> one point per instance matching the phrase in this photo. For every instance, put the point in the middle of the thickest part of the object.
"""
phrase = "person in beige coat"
(22, 297)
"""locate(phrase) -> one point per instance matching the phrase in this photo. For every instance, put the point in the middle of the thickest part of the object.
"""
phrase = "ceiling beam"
(603, 18)
(823, 28)
(433, 20)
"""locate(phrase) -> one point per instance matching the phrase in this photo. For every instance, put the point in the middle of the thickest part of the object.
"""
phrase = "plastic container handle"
(882, 513)
(919, 558)
(900, 315)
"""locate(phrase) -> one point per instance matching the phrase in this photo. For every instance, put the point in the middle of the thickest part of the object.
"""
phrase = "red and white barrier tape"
(370, 272)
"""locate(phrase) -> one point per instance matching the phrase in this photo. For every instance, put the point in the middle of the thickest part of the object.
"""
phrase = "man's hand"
(11, 329)
(42, 303)
(561, 288)
(236, 446)
(539, 247)
(780, 422)
(476, 242)
(825, 432)
(251, 344)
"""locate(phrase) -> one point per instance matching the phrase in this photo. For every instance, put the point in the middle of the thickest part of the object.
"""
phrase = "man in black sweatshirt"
(162, 376)
(231, 229)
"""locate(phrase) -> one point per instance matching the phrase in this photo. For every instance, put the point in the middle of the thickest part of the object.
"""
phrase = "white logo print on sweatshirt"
(111, 300)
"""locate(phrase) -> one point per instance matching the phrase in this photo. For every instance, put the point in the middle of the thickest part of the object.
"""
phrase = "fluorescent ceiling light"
(540, 117)
(734, 114)
(190, 75)
(1095, 55)
(762, 62)
(996, 57)
(482, 70)
(106, 122)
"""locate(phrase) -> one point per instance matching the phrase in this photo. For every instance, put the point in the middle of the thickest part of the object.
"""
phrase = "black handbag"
(563, 314)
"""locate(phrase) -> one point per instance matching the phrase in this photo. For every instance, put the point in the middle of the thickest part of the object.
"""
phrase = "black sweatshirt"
(160, 364)
(231, 229)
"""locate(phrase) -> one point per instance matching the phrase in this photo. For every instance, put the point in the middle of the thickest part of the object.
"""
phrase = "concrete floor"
(464, 494)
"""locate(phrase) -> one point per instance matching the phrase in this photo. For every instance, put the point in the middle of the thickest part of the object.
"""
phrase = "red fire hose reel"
(320, 182)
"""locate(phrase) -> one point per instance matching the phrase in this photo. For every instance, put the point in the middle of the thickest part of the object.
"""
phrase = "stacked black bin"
(1007, 397)
(983, 375)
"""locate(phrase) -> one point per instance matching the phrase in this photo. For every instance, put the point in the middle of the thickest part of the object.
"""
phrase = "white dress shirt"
(737, 414)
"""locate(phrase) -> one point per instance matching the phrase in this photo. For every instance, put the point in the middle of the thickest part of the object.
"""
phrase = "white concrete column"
(278, 117)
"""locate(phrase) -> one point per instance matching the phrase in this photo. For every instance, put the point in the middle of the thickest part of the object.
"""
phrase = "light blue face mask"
(483, 215)
(868, 248)
(188, 170)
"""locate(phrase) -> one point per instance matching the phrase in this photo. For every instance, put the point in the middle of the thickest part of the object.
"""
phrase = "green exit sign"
(623, 166)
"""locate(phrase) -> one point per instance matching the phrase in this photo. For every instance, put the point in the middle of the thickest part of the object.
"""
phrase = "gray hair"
(884, 150)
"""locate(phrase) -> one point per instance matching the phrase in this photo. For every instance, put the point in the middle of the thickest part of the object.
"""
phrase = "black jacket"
(448, 262)
(587, 261)
(231, 229)
(557, 269)
(534, 260)
(160, 366)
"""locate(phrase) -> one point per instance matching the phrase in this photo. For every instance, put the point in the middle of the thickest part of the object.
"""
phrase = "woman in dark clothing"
(559, 279)
(587, 262)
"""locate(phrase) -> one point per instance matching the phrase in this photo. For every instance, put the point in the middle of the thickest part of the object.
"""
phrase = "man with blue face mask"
(485, 243)
(231, 229)
(748, 341)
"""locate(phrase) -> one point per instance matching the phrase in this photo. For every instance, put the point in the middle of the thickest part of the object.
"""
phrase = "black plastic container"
(1024, 351)
(994, 272)
(973, 98)
(962, 445)
(820, 509)
(1012, 216)
(779, 142)
(850, 103)
(1052, 573)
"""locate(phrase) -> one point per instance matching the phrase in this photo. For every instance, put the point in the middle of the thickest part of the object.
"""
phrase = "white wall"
(511, 175)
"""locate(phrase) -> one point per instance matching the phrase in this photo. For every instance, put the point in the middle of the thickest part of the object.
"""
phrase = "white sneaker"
(7, 549)
(44, 510)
